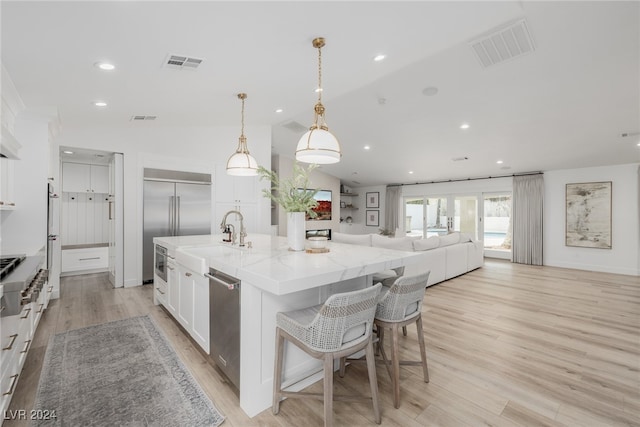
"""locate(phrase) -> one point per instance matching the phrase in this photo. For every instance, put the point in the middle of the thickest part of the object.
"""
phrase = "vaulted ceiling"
(562, 105)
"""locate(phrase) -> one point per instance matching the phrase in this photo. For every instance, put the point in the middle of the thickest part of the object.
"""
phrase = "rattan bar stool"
(338, 328)
(399, 306)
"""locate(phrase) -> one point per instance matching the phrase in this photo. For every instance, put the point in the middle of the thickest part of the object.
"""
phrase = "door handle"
(171, 216)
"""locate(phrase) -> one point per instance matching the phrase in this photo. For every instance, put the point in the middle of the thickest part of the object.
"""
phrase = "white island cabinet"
(274, 279)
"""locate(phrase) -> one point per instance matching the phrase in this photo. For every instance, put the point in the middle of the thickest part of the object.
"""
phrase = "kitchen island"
(275, 279)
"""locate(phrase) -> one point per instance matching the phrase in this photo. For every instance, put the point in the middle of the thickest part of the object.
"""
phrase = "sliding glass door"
(483, 216)
(497, 223)
(435, 216)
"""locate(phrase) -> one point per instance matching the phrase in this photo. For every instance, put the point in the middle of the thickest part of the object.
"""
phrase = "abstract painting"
(588, 215)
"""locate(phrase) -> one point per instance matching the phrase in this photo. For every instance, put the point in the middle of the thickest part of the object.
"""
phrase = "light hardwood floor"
(507, 345)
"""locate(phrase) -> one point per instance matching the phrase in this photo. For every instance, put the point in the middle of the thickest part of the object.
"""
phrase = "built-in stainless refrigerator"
(175, 204)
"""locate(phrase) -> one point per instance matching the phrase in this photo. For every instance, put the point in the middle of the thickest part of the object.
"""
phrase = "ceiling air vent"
(141, 118)
(503, 44)
(179, 62)
(295, 126)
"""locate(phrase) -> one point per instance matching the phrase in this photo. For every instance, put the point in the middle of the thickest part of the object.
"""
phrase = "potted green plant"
(295, 197)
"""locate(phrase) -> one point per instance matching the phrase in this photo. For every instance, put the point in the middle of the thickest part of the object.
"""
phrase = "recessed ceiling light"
(100, 104)
(279, 110)
(638, 144)
(464, 126)
(410, 172)
(105, 66)
(68, 152)
(379, 58)
(318, 89)
(430, 91)
(499, 162)
(366, 147)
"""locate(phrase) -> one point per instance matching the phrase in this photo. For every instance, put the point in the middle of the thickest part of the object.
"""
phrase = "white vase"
(296, 227)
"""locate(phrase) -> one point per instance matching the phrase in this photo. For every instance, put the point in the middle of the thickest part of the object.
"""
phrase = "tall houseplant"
(295, 197)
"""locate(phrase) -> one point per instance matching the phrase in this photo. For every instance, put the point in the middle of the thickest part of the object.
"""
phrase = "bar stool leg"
(423, 351)
(404, 331)
(342, 366)
(373, 381)
(395, 361)
(328, 390)
(277, 380)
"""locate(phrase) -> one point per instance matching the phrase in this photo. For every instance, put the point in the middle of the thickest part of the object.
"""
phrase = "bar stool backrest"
(404, 298)
(345, 319)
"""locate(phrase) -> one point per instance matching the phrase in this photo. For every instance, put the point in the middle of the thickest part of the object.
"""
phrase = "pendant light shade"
(318, 145)
(242, 163)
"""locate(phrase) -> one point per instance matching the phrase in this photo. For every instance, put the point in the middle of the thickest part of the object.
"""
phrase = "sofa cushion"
(352, 239)
(449, 239)
(426, 244)
(399, 244)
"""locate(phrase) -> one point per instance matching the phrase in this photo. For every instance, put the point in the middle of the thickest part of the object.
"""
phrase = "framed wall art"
(373, 199)
(373, 218)
(588, 215)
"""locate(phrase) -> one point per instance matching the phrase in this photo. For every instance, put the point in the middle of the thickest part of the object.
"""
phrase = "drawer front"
(85, 259)
(160, 291)
(9, 341)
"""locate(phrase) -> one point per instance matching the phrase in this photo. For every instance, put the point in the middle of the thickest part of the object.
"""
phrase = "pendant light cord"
(242, 129)
(319, 74)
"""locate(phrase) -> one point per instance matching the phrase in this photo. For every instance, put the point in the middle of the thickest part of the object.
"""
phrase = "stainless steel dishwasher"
(224, 323)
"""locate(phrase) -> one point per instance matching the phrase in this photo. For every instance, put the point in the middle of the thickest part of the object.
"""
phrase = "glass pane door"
(497, 222)
(465, 218)
(436, 216)
(414, 216)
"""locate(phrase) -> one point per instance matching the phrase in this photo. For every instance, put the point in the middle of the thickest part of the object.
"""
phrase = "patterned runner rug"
(119, 373)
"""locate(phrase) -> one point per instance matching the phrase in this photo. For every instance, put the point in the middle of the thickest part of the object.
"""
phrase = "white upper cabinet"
(82, 178)
(235, 189)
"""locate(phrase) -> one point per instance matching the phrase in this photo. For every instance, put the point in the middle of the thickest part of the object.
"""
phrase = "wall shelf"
(349, 194)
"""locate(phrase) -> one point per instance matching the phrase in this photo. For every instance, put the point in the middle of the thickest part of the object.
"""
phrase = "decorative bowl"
(317, 242)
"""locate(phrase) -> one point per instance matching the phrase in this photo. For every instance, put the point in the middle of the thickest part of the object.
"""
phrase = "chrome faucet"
(224, 227)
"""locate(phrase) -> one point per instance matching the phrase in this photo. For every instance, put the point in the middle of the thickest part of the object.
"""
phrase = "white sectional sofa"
(447, 256)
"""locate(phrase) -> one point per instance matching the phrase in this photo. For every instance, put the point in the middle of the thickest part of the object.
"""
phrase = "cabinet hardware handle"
(87, 259)
(14, 379)
(50, 288)
(26, 347)
(13, 339)
(41, 308)
(12, 204)
(28, 310)
(169, 267)
(1, 308)
(158, 289)
(187, 274)
(172, 257)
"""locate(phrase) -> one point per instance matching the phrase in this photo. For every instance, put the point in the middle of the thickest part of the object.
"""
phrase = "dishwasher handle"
(232, 286)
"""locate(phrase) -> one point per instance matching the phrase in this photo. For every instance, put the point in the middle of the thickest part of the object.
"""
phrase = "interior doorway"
(91, 213)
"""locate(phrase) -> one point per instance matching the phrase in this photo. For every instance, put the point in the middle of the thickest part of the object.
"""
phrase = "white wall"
(24, 230)
(147, 145)
(359, 216)
(624, 255)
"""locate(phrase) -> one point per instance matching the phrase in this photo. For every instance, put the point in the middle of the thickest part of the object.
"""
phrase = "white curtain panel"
(527, 214)
(392, 200)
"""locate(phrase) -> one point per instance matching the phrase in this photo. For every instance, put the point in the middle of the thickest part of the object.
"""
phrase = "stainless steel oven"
(160, 264)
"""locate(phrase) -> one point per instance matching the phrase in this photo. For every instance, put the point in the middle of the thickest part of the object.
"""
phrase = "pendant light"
(241, 163)
(318, 145)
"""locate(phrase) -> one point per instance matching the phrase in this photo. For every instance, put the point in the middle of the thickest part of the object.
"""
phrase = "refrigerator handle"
(171, 216)
(178, 216)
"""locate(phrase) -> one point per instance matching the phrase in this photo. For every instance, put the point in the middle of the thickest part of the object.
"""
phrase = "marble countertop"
(272, 267)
